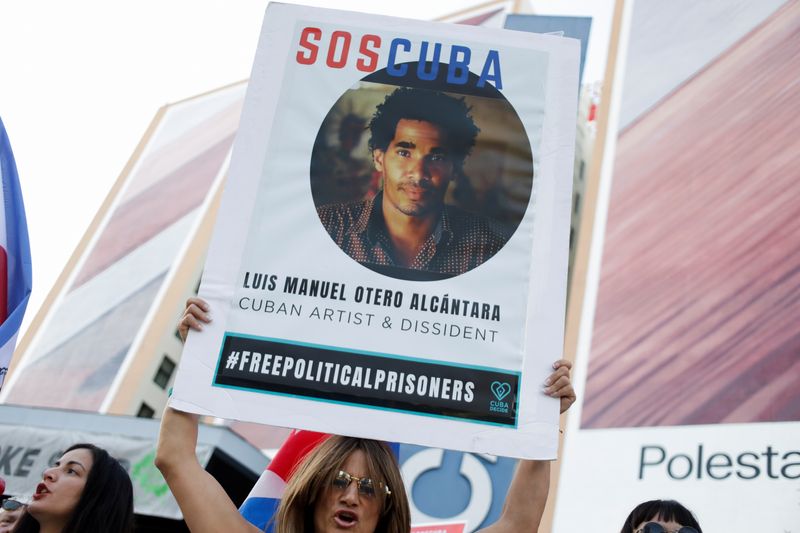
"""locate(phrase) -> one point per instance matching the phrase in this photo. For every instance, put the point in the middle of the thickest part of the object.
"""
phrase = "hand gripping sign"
(390, 255)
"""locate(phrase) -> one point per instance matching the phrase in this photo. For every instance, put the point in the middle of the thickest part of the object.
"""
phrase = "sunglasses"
(12, 505)
(652, 527)
(366, 486)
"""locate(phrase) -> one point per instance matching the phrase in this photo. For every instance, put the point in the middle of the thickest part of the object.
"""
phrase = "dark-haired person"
(661, 516)
(344, 484)
(85, 491)
(419, 141)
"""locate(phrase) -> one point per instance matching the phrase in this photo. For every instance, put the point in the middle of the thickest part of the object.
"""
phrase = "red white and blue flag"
(15, 255)
(263, 500)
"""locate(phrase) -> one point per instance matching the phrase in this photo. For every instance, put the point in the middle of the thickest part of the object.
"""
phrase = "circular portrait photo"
(417, 182)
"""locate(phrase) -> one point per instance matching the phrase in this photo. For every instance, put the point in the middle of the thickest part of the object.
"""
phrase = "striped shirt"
(460, 241)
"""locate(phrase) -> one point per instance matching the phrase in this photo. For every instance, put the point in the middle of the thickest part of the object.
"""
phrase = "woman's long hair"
(315, 474)
(665, 510)
(106, 503)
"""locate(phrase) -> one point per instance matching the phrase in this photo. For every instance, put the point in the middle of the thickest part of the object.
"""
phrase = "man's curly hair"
(450, 114)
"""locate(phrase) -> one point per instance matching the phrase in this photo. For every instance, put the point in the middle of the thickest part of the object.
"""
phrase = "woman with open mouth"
(85, 491)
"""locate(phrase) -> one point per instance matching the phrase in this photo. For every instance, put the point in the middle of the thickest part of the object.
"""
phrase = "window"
(145, 411)
(164, 372)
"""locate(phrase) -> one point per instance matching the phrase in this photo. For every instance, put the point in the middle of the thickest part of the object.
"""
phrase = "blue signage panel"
(574, 27)
(449, 485)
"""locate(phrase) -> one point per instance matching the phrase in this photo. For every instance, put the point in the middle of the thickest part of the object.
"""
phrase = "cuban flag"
(263, 500)
(15, 255)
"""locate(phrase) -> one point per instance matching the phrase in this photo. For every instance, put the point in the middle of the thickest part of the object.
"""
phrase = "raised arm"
(527, 494)
(204, 504)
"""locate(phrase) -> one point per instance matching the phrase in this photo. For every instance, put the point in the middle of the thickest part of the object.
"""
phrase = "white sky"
(81, 80)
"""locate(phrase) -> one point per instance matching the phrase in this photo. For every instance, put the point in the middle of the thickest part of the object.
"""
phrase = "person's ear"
(377, 159)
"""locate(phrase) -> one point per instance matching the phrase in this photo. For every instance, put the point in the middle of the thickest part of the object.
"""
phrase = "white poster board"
(321, 318)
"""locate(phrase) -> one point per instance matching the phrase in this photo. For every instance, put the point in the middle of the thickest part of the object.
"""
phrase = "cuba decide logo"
(500, 390)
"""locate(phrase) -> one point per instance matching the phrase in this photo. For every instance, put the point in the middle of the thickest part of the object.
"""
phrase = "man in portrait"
(419, 140)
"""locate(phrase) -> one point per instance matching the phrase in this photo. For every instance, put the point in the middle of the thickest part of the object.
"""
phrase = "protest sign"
(390, 255)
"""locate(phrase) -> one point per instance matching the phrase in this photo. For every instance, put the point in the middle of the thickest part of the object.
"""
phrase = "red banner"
(454, 527)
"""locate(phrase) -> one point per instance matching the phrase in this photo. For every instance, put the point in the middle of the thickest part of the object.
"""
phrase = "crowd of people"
(344, 484)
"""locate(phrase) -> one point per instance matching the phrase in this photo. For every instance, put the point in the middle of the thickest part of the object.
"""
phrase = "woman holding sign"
(345, 483)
